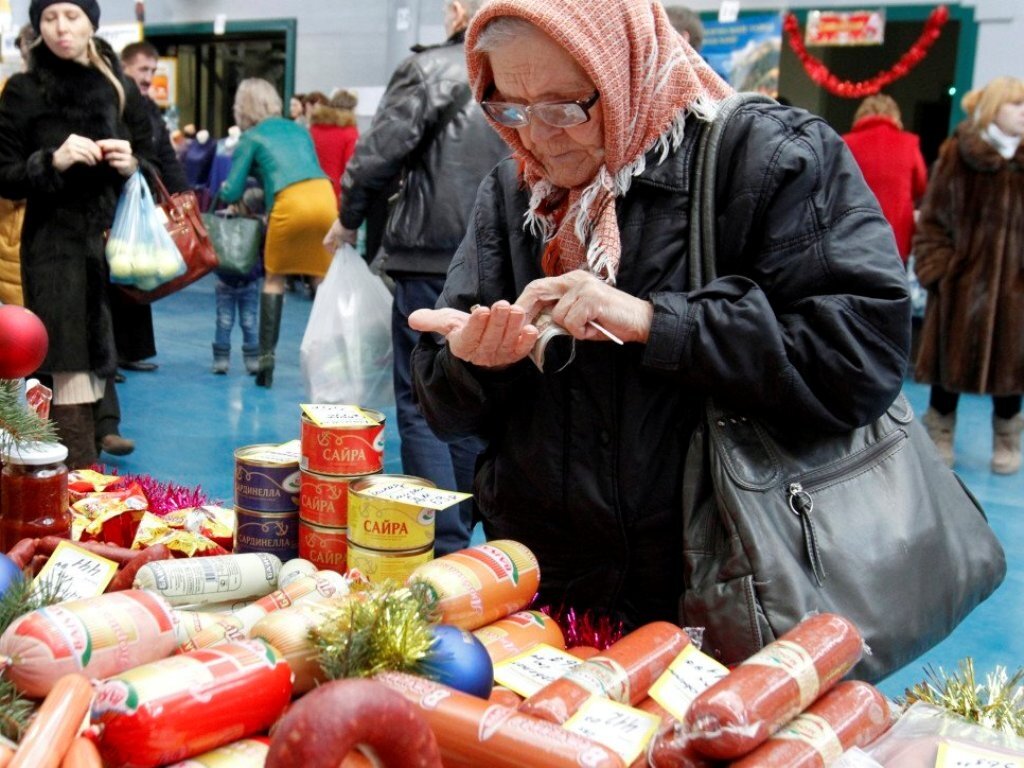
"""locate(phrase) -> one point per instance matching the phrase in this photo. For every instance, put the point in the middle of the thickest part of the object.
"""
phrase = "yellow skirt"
(299, 220)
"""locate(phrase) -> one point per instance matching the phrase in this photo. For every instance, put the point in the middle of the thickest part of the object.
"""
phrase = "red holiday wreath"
(820, 74)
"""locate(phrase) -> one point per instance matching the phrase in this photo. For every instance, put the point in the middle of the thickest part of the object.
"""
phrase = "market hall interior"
(187, 423)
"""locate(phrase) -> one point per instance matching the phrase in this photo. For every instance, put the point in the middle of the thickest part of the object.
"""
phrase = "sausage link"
(22, 552)
(124, 578)
(850, 715)
(773, 686)
(119, 555)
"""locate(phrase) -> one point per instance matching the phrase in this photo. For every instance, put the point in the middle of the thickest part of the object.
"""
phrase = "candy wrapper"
(215, 523)
(38, 398)
(155, 530)
(104, 508)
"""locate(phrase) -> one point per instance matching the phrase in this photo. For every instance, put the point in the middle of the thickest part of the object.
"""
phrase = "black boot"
(270, 328)
(76, 429)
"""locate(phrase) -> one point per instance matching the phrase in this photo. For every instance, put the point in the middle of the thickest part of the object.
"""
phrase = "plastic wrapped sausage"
(850, 715)
(623, 672)
(773, 686)
(205, 580)
(473, 732)
(98, 636)
(519, 632)
(189, 704)
(244, 753)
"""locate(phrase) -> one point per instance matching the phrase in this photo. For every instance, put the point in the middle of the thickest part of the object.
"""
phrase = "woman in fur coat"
(334, 131)
(969, 252)
(71, 129)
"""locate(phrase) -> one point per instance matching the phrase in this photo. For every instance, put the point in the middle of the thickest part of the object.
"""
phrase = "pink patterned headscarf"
(649, 79)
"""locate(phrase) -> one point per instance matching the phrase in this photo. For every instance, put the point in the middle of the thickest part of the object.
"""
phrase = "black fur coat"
(63, 267)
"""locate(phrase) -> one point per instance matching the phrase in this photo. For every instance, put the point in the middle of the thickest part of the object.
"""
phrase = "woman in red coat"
(890, 159)
(333, 126)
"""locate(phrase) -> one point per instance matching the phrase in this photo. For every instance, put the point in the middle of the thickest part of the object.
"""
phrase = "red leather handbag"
(185, 225)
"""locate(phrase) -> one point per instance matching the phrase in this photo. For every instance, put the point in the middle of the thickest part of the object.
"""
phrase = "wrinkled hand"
(578, 298)
(489, 337)
(118, 154)
(76, 149)
(337, 235)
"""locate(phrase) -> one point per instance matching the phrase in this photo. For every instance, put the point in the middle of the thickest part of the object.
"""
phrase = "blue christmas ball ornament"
(9, 573)
(459, 660)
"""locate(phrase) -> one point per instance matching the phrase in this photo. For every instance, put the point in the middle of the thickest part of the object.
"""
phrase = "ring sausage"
(850, 715)
(773, 686)
(624, 672)
(119, 555)
(473, 732)
(22, 552)
(344, 714)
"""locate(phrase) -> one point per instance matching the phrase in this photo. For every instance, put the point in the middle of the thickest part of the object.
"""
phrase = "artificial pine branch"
(18, 423)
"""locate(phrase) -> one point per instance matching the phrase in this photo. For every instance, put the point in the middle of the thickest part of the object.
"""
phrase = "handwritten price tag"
(416, 495)
(955, 754)
(80, 573)
(285, 453)
(338, 415)
(687, 677)
(624, 730)
(531, 670)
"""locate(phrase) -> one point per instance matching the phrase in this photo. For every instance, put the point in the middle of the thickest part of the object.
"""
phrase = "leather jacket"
(442, 155)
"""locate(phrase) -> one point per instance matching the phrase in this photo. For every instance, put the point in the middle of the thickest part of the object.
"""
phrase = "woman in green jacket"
(299, 199)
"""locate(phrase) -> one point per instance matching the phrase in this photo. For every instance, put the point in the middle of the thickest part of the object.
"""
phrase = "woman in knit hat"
(71, 131)
(587, 226)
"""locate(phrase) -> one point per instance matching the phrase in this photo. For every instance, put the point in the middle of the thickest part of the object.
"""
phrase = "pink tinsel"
(162, 497)
(590, 628)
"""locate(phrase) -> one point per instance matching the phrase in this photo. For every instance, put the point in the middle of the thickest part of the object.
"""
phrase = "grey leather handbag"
(869, 524)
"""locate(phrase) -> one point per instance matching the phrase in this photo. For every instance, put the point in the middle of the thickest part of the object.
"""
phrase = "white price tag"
(729, 11)
(956, 754)
(402, 492)
(531, 670)
(285, 453)
(338, 415)
(687, 677)
(80, 573)
(623, 729)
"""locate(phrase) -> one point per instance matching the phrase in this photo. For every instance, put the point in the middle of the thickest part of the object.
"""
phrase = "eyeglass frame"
(584, 104)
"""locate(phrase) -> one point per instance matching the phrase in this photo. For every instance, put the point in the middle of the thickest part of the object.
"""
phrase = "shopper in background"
(428, 130)
(334, 131)
(688, 24)
(70, 130)
(299, 200)
(295, 110)
(808, 327)
(969, 252)
(891, 161)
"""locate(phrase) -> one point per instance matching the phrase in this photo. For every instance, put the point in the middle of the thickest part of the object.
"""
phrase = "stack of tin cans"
(267, 499)
(333, 455)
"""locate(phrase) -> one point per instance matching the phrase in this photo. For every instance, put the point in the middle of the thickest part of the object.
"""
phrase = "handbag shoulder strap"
(703, 267)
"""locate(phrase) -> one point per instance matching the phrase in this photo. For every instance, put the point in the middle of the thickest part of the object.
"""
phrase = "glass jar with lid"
(33, 493)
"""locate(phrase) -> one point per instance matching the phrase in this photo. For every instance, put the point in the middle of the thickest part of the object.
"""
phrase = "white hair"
(502, 31)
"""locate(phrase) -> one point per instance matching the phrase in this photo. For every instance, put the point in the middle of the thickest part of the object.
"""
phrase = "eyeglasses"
(557, 114)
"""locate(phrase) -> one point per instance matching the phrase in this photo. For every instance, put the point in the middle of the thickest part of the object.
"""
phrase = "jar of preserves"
(33, 493)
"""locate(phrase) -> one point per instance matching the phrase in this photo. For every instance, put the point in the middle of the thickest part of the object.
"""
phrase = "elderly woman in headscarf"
(586, 226)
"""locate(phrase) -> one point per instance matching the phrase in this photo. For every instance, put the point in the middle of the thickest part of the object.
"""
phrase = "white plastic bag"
(346, 354)
(139, 250)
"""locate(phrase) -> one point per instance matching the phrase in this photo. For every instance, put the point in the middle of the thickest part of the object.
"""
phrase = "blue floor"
(187, 423)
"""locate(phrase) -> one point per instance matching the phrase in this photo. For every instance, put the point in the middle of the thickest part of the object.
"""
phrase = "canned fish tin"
(380, 523)
(267, 478)
(323, 499)
(325, 547)
(275, 533)
(344, 449)
(379, 565)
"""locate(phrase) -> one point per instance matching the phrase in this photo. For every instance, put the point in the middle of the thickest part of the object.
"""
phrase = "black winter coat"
(172, 173)
(444, 156)
(64, 270)
(811, 330)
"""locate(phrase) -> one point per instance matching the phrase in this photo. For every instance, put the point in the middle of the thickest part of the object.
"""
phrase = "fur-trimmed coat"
(969, 252)
(334, 134)
(64, 271)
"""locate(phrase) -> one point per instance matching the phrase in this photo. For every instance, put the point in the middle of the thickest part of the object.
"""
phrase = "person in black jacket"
(71, 129)
(429, 132)
(586, 227)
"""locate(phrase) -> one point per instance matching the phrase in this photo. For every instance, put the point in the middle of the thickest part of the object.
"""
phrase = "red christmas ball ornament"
(23, 342)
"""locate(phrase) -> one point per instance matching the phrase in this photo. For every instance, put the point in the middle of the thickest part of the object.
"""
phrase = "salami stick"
(622, 673)
(473, 732)
(126, 576)
(850, 715)
(773, 686)
(22, 552)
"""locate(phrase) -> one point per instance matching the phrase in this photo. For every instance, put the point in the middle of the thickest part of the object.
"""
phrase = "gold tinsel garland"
(996, 704)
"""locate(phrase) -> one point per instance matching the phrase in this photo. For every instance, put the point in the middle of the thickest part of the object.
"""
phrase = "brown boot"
(1006, 444)
(76, 430)
(940, 430)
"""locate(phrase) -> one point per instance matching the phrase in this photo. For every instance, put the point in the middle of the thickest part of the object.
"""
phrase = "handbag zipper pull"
(802, 504)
